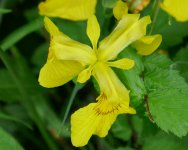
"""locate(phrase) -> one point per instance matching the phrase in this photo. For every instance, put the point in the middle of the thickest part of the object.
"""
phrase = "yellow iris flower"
(68, 9)
(68, 58)
(145, 45)
(176, 8)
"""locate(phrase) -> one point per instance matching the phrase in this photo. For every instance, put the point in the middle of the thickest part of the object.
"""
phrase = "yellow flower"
(68, 58)
(68, 9)
(97, 118)
(145, 45)
(176, 8)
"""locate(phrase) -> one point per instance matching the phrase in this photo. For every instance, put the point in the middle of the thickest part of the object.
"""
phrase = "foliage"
(39, 118)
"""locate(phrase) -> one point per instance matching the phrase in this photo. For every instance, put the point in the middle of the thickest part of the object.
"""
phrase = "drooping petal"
(120, 9)
(68, 9)
(176, 8)
(65, 48)
(128, 30)
(93, 30)
(124, 63)
(109, 82)
(96, 118)
(148, 44)
(57, 72)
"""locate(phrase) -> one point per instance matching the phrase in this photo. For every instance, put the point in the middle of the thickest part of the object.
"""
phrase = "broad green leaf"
(162, 141)
(167, 96)
(168, 27)
(121, 129)
(7, 142)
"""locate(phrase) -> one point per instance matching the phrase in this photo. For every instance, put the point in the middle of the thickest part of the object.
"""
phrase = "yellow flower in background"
(68, 9)
(176, 8)
(145, 45)
(68, 58)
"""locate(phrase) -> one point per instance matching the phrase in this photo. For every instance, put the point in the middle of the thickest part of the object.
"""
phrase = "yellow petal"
(93, 30)
(128, 30)
(51, 27)
(124, 63)
(68, 9)
(176, 8)
(120, 9)
(84, 75)
(56, 72)
(109, 82)
(148, 44)
(65, 48)
(96, 118)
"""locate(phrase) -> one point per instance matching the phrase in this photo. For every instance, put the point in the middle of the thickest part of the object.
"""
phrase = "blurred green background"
(36, 118)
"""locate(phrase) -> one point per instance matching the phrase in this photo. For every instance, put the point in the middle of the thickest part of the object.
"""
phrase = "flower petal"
(128, 30)
(109, 82)
(120, 9)
(57, 72)
(176, 8)
(65, 48)
(96, 118)
(84, 75)
(93, 30)
(124, 63)
(148, 44)
(68, 9)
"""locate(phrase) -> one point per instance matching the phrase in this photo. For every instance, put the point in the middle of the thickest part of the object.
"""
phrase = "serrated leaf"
(163, 141)
(7, 142)
(167, 96)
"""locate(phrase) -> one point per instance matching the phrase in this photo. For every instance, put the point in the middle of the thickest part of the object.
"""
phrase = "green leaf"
(121, 129)
(167, 95)
(8, 90)
(7, 142)
(163, 141)
(5, 11)
(20, 33)
(169, 27)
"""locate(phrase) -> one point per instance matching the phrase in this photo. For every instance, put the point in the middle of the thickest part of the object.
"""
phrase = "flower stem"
(154, 14)
(76, 88)
(27, 101)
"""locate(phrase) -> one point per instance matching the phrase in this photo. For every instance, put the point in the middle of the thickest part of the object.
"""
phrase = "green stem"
(26, 101)
(154, 14)
(76, 88)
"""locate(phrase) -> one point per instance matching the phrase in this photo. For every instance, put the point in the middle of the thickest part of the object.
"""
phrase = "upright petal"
(57, 72)
(120, 9)
(65, 48)
(68, 9)
(96, 118)
(176, 8)
(93, 30)
(128, 30)
(148, 44)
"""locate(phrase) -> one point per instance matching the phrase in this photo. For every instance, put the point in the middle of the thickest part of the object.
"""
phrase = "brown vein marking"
(114, 109)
